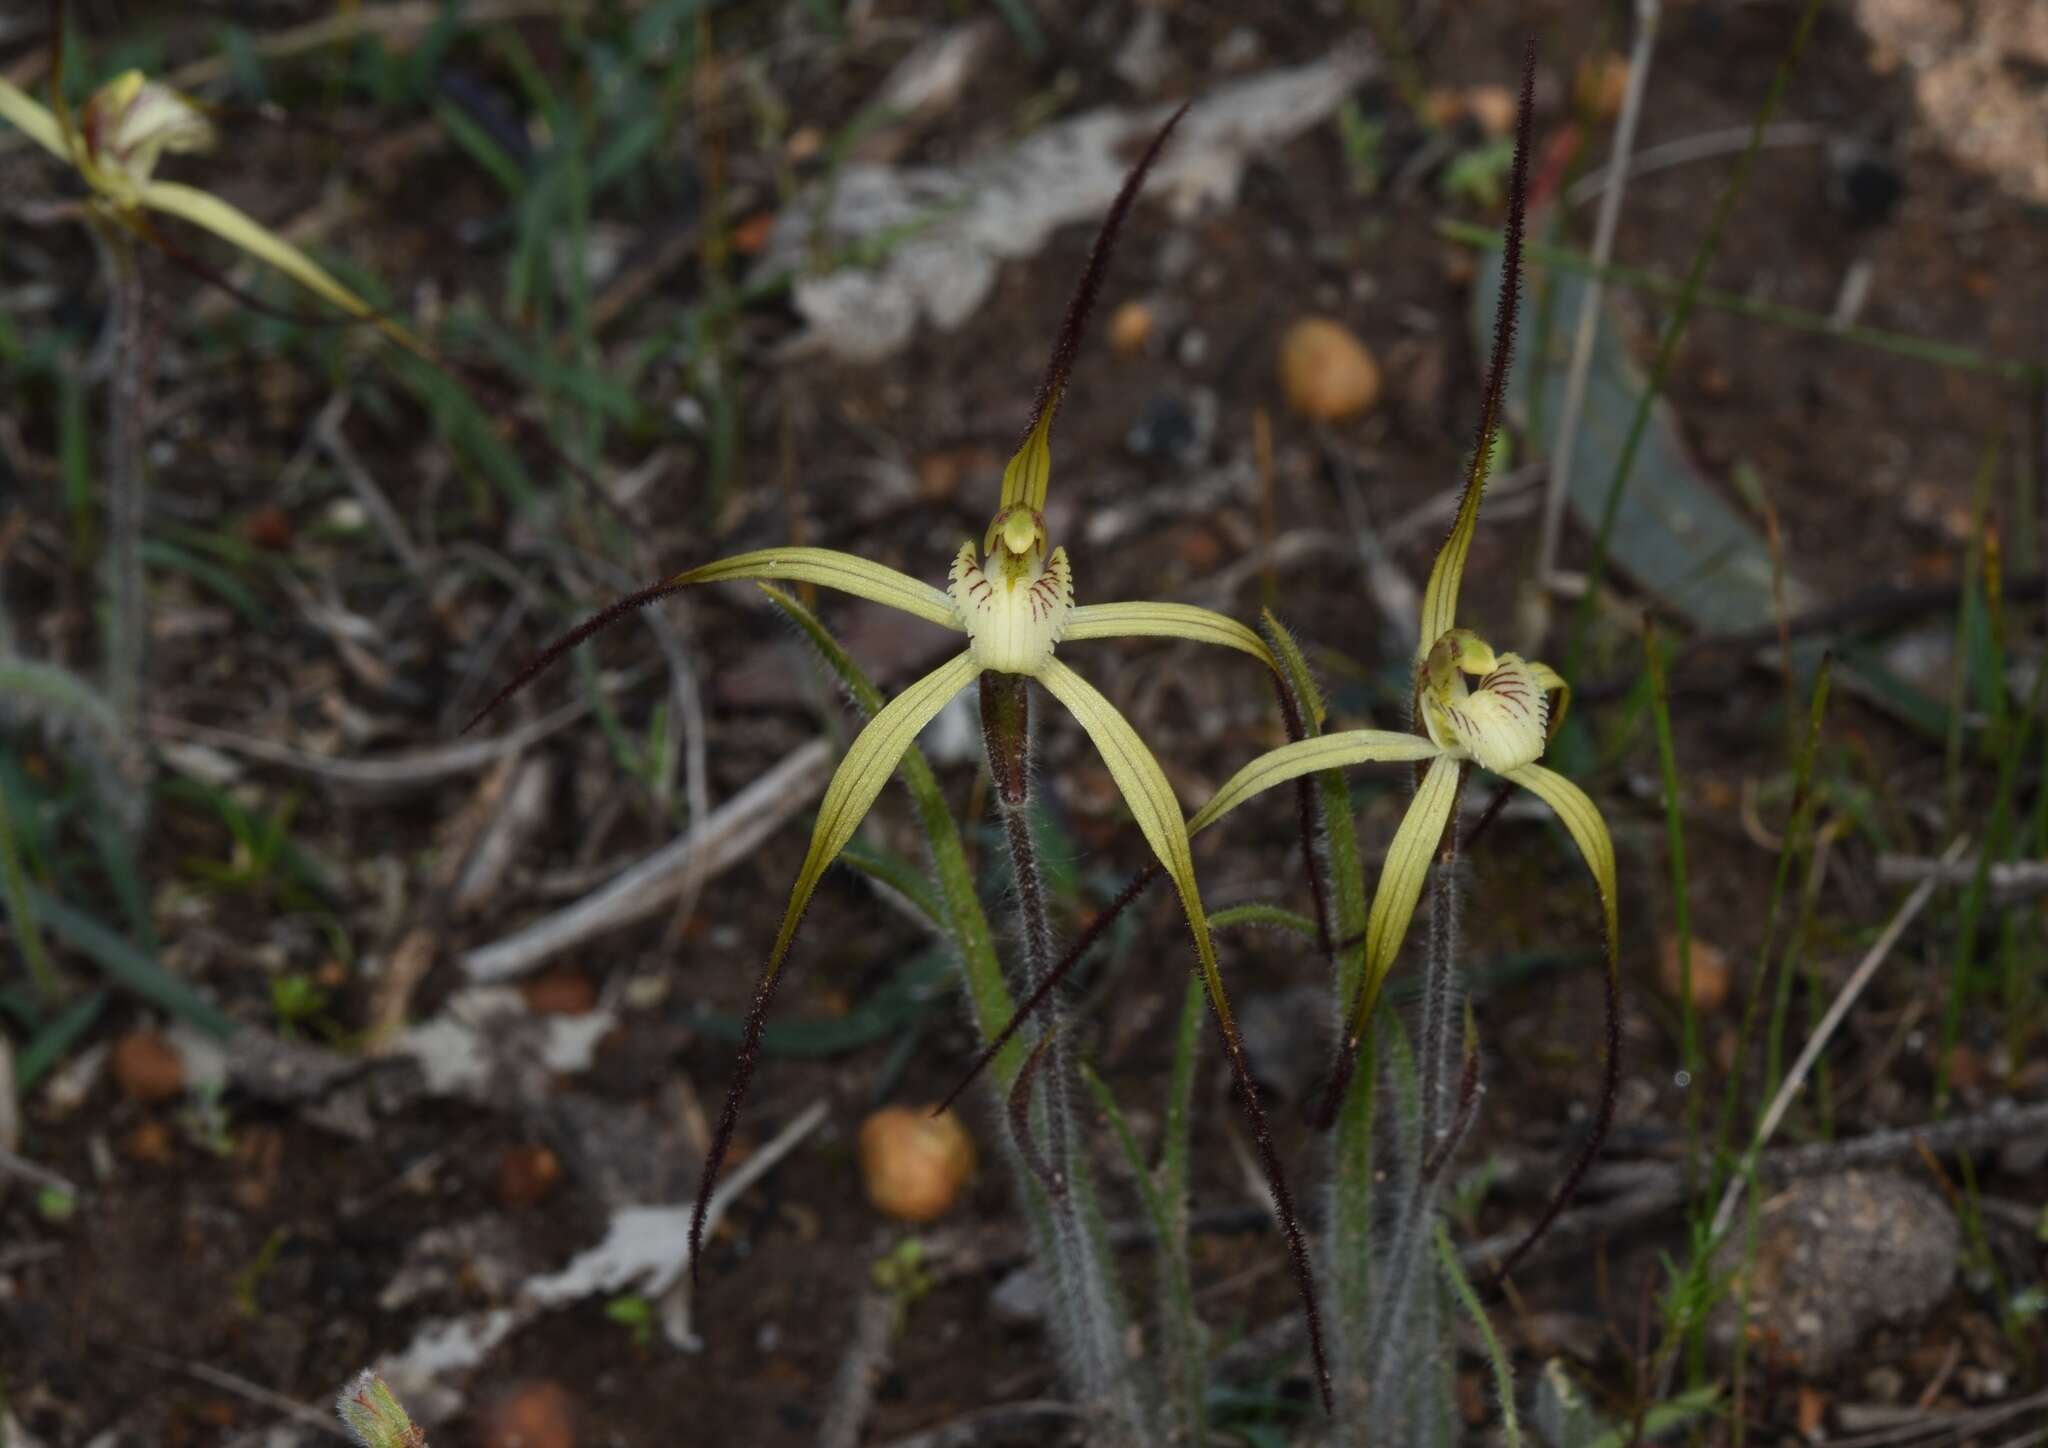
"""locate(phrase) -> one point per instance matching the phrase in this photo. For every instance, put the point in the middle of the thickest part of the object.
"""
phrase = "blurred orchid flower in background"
(114, 144)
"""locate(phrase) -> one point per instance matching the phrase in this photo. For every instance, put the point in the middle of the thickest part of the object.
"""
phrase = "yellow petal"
(831, 569)
(1306, 756)
(1440, 595)
(1408, 860)
(869, 762)
(239, 230)
(1582, 821)
(1145, 789)
(1028, 473)
(1166, 620)
(19, 109)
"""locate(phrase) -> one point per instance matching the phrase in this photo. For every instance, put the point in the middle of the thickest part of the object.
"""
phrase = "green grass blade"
(1994, 845)
(1681, 898)
(1503, 1374)
(900, 875)
(1948, 356)
(130, 967)
(1674, 330)
(1183, 1329)
(1802, 785)
(21, 913)
(1798, 845)
(50, 1044)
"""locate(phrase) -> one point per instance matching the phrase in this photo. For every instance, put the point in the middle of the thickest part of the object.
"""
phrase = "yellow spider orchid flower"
(114, 144)
(1013, 598)
(1473, 706)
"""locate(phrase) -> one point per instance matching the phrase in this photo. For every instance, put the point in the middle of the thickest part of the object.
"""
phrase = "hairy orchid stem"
(125, 464)
(1006, 730)
(1099, 925)
(1439, 987)
(1305, 813)
(1089, 1306)
(1090, 935)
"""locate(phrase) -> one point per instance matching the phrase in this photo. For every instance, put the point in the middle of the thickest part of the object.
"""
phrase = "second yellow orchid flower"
(1472, 706)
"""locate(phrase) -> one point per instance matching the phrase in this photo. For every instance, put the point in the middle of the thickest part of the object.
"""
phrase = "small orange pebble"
(527, 1176)
(1130, 328)
(1600, 86)
(269, 526)
(1709, 974)
(914, 1163)
(750, 237)
(1326, 372)
(559, 993)
(1493, 107)
(533, 1415)
(147, 1067)
(150, 1142)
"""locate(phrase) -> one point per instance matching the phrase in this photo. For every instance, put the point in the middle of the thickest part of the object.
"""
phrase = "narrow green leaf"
(1503, 1373)
(48, 1046)
(1681, 899)
(129, 966)
(1183, 1327)
(900, 875)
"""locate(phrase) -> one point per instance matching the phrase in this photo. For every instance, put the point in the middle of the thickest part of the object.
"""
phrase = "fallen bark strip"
(711, 846)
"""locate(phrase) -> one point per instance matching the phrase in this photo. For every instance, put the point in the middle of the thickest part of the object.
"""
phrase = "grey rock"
(1835, 1257)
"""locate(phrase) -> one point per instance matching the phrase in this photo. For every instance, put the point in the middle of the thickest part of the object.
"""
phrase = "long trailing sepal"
(1311, 756)
(826, 567)
(1440, 595)
(1582, 821)
(1145, 789)
(1393, 908)
(1026, 478)
(830, 568)
(869, 762)
(1165, 620)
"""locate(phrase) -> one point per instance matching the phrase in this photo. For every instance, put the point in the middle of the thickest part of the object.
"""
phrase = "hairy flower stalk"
(1013, 598)
(1433, 1113)
(1046, 1136)
(123, 464)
